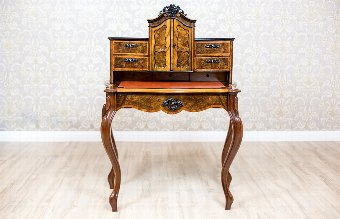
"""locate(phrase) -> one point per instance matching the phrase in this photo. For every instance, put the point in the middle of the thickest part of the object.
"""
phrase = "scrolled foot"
(226, 180)
(229, 196)
(228, 204)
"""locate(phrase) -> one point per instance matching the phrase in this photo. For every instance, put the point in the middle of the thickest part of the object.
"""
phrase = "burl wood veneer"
(171, 71)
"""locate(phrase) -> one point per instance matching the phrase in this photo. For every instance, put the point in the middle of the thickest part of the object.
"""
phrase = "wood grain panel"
(181, 47)
(212, 63)
(130, 47)
(160, 52)
(153, 102)
(131, 63)
(212, 48)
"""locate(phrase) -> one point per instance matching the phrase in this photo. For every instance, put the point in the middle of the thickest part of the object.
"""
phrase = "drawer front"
(209, 76)
(121, 63)
(213, 48)
(130, 47)
(171, 76)
(171, 103)
(212, 63)
(133, 76)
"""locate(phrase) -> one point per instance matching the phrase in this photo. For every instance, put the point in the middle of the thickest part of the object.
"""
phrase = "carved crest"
(172, 10)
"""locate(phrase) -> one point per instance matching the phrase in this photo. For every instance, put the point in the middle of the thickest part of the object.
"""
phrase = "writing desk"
(171, 71)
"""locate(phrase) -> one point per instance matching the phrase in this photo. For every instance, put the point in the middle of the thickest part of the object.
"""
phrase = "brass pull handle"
(212, 46)
(130, 45)
(213, 60)
(172, 104)
(130, 60)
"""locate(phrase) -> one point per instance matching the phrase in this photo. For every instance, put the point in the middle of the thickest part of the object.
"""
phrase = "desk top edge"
(144, 39)
(172, 90)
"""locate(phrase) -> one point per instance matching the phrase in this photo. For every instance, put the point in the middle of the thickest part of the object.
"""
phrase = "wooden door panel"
(160, 47)
(181, 47)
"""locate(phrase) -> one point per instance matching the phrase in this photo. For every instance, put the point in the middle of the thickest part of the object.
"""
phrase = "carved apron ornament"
(172, 104)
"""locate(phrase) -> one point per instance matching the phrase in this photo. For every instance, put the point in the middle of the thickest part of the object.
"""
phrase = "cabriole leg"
(111, 175)
(231, 146)
(114, 177)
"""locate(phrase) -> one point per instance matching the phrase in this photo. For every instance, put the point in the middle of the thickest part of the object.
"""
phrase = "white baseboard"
(165, 136)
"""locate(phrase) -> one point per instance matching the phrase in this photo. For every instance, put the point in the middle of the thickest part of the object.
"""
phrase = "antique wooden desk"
(171, 71)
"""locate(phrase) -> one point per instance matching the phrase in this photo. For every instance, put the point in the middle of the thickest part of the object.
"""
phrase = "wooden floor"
(170, 180)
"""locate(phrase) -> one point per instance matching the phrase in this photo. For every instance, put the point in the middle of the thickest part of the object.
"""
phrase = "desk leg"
(231, 146)
(227, 142)
(110, 147)
(111, 176)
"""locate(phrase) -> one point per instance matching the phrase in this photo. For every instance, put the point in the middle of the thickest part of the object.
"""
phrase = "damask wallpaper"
(54, 61)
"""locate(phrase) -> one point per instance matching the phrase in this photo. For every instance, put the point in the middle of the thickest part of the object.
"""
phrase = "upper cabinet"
(171, 53)
(171, 40)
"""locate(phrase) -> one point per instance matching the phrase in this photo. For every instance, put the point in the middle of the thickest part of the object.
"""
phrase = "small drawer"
(132, 76)
(130, 63)
(213, 48)
(130, 47)
(212, 63)
(171, 76)
(171, 103)
(209, 76)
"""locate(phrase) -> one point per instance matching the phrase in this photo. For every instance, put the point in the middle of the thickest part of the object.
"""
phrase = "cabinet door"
(160, 47)
(181, 47)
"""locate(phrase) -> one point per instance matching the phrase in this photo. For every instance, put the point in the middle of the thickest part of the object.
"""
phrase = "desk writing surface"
(172, 85)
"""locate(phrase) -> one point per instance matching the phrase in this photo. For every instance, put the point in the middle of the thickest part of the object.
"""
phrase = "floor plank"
(170, 180)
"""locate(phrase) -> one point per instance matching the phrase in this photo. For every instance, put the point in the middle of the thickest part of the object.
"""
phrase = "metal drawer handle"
(213, 60)
(130, 45)
(172, 104)
(130, 60)
(212, 46)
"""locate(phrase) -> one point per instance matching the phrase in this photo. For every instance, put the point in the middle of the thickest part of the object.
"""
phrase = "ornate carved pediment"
(172, 10)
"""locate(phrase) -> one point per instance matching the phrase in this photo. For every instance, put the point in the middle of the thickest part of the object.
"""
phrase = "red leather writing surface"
(170, 85)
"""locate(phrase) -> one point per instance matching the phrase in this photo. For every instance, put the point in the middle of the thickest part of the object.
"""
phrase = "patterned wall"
(54, 61)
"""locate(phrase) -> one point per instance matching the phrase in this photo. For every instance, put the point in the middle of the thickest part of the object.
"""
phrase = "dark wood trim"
(128, 38)
(214, 39)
